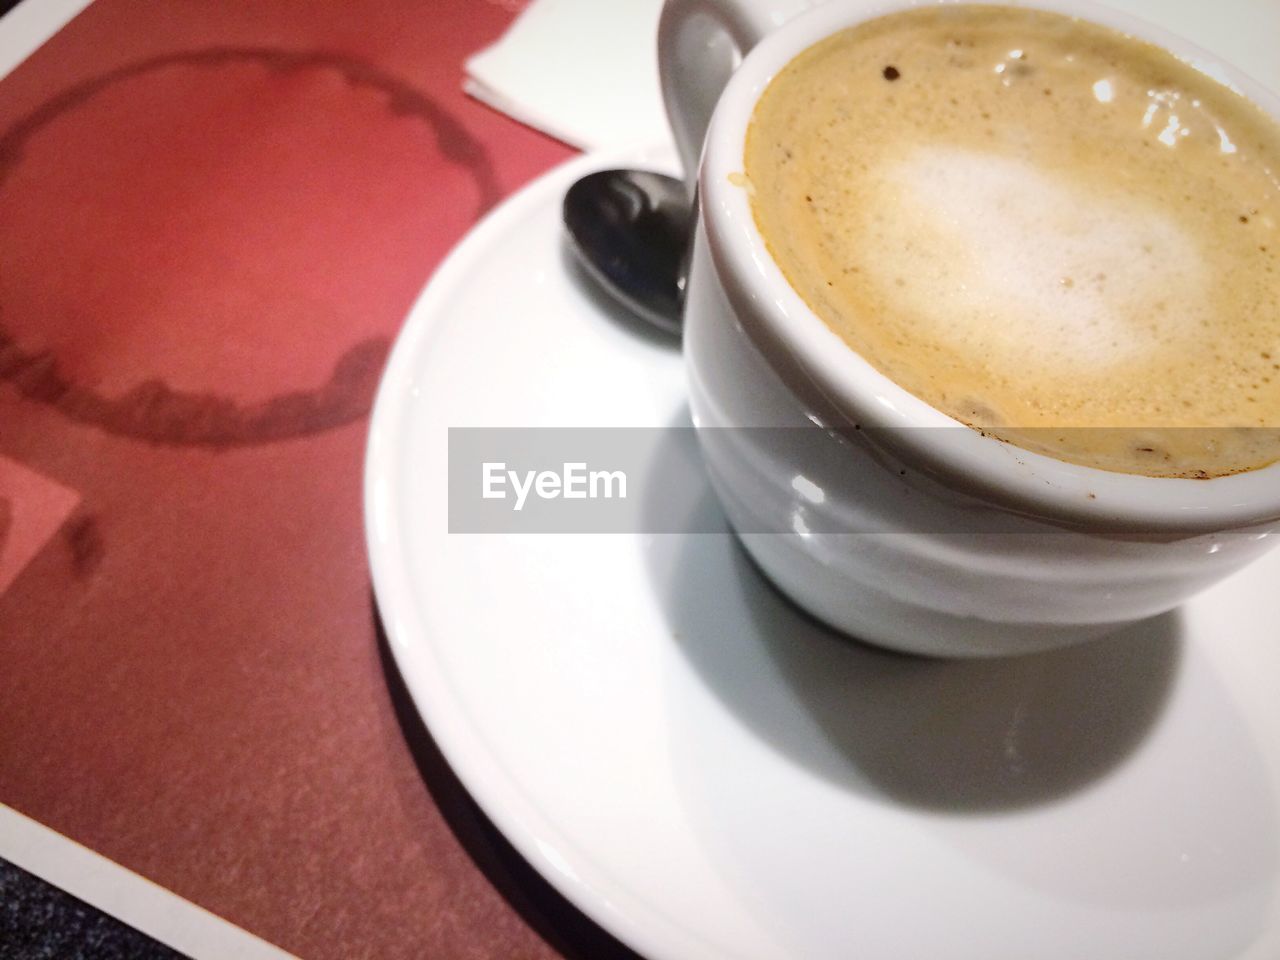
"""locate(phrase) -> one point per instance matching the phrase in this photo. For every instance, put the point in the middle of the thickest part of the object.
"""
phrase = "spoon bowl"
(632, 230)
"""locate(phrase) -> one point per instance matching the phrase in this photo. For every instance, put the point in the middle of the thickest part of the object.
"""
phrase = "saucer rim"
(494, 791)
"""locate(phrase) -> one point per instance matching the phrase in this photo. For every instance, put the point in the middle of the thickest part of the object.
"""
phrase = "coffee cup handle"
(700, 43)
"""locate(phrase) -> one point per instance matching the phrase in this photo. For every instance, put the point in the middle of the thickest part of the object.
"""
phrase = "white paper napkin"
(584, 71)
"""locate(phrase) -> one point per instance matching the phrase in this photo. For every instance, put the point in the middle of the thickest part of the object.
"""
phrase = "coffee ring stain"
(84, 540)
(6, 514)
(154, 412)
(452, 138)
(159, 414)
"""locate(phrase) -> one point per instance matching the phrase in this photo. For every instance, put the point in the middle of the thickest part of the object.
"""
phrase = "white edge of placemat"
(125, 895)
(28, 25)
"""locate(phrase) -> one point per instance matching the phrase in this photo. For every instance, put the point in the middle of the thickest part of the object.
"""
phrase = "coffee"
(1050, 231)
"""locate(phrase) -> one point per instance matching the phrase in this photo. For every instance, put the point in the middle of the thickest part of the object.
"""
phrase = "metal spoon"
(632, 230)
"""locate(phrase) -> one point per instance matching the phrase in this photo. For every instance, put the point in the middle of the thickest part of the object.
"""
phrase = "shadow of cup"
(952, 735)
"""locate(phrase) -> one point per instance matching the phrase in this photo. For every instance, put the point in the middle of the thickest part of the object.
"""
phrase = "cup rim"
(775, 316)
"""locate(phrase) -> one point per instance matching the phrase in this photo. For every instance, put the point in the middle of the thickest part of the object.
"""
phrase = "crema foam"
(1053, 232)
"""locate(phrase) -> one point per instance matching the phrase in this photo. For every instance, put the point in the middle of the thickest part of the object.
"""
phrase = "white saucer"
(710, 775)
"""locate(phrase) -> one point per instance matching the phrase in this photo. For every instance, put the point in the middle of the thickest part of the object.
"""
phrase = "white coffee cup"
(1019, 552)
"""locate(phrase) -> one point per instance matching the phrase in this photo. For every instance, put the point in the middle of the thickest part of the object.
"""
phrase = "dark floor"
(40, 922)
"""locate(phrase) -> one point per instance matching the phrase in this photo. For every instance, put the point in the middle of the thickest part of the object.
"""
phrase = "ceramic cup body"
(965, 546)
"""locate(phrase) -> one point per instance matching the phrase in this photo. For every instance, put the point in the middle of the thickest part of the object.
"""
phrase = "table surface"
(217, 217)
(215, 220)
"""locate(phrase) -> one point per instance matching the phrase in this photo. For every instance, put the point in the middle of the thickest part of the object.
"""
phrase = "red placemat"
(215, 218)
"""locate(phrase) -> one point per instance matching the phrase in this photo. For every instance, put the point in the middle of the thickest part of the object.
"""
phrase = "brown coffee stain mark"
(452, 138)
(6, 520)
(155, 412)
(84, 539)
(158, 414)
